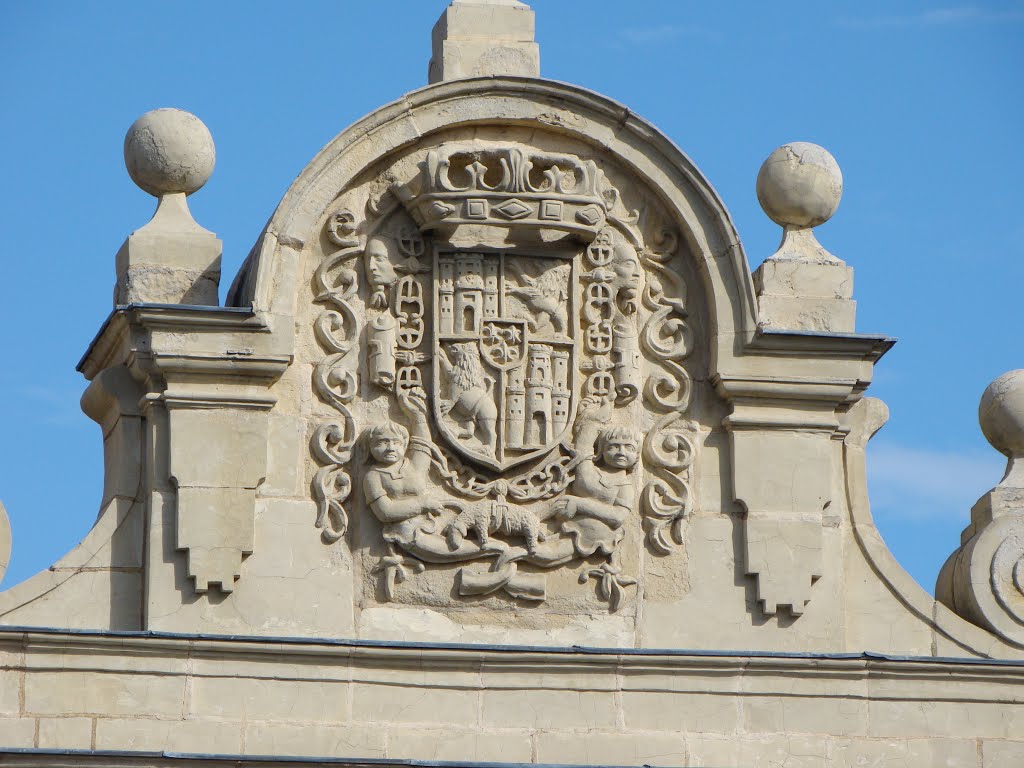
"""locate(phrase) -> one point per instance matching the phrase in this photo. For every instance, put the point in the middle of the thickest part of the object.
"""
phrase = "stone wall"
(354, 700)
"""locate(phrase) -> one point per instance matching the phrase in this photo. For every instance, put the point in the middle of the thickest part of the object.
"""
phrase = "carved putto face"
(387, 443)
(619, 448)
(387, 450)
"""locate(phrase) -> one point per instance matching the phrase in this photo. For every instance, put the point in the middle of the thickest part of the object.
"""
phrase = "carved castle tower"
(515, 395)
(538, 396)
(560, 394)
(491, 267)
(446, 294)
(469, 293)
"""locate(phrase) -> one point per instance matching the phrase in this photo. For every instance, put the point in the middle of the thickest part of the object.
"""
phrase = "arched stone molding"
(266, 279)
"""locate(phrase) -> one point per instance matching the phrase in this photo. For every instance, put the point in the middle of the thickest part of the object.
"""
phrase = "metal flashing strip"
(574, 650)
(29, 757)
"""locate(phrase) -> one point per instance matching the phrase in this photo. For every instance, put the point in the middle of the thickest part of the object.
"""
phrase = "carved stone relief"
(517, 330)
(334, 378)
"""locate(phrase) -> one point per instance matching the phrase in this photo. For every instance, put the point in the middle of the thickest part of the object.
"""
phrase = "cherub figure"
(395, 486)
(603, 492)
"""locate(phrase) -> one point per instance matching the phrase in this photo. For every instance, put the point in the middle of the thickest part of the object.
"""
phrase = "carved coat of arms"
(505, 354)
(505, 314)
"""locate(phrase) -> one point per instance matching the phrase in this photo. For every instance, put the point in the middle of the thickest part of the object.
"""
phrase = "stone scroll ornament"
(983, 580)
(514, 375)
(336, 330)
(669, 447)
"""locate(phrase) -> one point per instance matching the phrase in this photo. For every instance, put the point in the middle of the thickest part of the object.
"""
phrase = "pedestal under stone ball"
(169, 150)
(800, 185)
(1001, 413)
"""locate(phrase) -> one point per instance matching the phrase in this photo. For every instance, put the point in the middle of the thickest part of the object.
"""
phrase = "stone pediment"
(498, 376)
(498, 425)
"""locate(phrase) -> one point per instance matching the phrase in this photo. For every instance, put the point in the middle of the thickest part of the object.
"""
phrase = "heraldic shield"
(508, 298)
(504, 354)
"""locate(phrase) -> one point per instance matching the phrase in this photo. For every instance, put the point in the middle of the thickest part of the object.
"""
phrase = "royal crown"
(507, 186)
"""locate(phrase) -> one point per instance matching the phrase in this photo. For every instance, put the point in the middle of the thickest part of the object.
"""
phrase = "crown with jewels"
(507, 186)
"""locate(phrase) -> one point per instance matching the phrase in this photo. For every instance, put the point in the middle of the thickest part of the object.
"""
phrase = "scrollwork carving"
(336, 329)
(666, 500)
(341, 228)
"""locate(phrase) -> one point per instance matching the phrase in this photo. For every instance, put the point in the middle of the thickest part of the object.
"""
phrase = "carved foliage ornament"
(517, 373)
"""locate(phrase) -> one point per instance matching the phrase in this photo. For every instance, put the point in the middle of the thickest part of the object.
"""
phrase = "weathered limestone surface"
(802, 287)
(983, 580)
(498, 452)
(171, 260)
(474, 38)
(5, 541)
(483, 705)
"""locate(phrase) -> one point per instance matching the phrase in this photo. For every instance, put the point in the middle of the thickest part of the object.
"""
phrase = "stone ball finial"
(800, 185)
(1001, 414)
(169, 151)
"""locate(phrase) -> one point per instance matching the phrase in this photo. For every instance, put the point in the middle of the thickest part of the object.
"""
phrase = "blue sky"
(921, 103)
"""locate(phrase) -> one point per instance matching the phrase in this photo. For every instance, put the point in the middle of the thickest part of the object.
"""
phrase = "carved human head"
(619, 447)
(380, 268)
(628, 277)
(387, 442)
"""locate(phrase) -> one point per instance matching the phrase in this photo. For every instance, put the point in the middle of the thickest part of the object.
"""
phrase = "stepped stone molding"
(203, 406)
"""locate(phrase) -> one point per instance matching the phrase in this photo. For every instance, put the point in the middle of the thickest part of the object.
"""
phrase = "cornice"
(114, 343)
(119, 646)
(47, 758)
(834, 346)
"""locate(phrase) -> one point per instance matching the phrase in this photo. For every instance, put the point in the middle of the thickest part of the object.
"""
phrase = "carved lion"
(470, 403)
